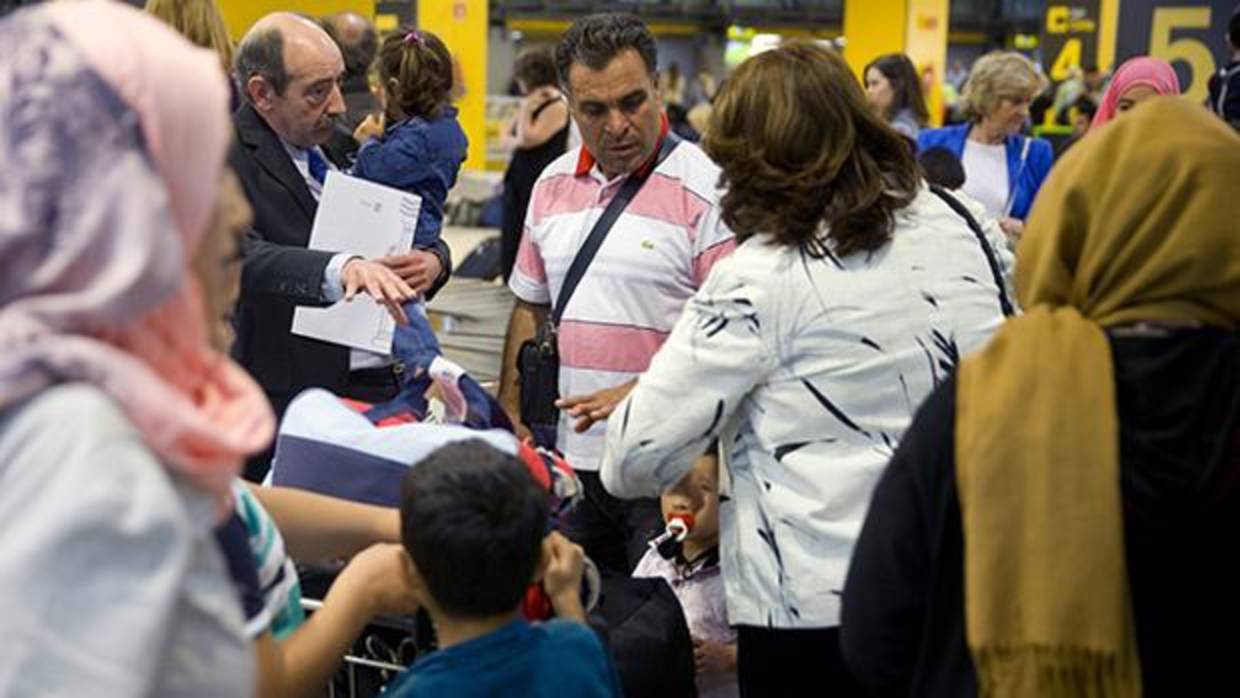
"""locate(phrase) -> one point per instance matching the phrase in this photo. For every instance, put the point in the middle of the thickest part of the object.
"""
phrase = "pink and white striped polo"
(656, 256)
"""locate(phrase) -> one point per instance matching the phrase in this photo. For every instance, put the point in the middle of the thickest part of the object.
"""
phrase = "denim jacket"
(421, 157)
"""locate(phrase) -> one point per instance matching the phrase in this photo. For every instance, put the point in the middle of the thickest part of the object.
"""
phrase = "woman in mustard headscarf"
(1061, 519)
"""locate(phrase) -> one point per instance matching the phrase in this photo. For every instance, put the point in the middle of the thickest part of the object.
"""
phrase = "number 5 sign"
(1191, 36)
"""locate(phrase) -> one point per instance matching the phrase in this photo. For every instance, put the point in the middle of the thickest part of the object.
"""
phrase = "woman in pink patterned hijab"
(1136, 80)
(100, 221)
(122, 423)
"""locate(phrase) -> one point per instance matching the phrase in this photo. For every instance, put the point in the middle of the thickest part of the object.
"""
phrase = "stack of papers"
(371, 221)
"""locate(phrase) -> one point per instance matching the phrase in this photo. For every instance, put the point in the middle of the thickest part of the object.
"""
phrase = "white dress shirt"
(333, 281)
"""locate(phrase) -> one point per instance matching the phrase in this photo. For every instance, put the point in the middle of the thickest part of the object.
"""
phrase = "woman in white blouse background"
(854, 292)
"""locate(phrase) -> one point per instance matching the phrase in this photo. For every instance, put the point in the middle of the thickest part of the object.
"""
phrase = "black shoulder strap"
(1225, 75)
(542, 107)
(595, 239)
(1005, 303)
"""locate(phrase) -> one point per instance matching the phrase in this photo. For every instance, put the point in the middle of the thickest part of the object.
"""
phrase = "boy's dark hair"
(942, 167)
(421, 68)
(1086, 106)
(473, 520)
(595, 40)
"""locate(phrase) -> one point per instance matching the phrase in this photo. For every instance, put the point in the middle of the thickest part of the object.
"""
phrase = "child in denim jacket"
(422, 145)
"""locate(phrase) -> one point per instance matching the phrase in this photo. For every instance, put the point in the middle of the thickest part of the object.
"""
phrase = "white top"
(699, 588)
(301, 160)
(808, 371)
(655, 257)
(113, 583)
(986, 175)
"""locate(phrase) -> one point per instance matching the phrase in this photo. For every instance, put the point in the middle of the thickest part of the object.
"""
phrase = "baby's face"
(697, 493)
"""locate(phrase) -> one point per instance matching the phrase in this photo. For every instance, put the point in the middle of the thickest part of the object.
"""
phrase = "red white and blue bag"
(360, 452)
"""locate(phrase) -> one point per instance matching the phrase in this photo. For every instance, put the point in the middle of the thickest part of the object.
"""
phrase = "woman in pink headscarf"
(1137, 80)
(122, 423)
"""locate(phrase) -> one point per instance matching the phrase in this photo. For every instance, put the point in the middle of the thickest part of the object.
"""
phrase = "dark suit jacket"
(279, 272)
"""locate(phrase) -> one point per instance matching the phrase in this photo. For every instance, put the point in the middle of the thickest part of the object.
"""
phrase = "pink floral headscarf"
(114, 130)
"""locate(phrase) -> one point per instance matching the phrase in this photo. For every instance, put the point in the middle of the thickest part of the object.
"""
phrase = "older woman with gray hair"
(1003, 168)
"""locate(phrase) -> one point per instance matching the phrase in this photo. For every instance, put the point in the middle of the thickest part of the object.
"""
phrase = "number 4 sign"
(1070, 36)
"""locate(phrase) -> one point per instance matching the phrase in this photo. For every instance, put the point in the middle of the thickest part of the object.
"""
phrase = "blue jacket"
(1023, 180)
(421, 157)
(543, 660)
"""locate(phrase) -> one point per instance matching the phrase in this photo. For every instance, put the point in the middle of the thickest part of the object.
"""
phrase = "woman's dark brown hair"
(536, 68)
(800, 147)
(905, 85)
(416, 70)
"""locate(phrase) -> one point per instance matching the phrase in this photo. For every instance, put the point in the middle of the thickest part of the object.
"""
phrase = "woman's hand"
(1013, 228)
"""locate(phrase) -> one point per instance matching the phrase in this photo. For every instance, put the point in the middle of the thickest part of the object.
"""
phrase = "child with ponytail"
(421, 145)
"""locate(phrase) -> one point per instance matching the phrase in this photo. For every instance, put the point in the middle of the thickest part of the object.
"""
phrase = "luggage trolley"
(384, 651)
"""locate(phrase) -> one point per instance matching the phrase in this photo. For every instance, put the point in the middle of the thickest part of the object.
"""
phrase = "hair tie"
(413, 37)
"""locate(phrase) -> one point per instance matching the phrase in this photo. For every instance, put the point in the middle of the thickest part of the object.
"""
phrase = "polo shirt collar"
(586, 161)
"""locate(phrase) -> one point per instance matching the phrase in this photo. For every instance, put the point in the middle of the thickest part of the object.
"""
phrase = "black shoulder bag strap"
(1004, 302)
(601, 227)
(1225, 75)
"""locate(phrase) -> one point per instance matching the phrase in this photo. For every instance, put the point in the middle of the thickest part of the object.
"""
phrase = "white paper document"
(368, 220)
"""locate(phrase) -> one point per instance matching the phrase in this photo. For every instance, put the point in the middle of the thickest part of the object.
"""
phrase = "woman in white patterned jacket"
(855, 291)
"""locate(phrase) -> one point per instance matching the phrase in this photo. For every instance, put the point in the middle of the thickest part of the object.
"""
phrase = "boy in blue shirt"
(474, 522)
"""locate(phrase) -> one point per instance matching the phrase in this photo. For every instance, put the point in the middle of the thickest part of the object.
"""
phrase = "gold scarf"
(1138, 222)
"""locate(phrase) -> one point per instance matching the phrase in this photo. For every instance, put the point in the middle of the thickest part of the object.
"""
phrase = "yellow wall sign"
(462, 25)
(1188, 35)
(916, 27)
(1063, 19)
(240, 15)
(1070, 36)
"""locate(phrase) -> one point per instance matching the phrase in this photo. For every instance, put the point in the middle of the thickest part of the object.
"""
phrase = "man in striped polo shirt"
(656, 256)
